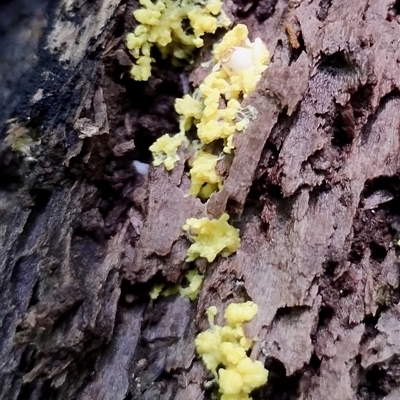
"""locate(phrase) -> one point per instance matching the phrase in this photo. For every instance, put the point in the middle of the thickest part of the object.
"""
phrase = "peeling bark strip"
(314, 186)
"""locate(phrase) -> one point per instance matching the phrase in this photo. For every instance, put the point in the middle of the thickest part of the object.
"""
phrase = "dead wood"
(313, 186)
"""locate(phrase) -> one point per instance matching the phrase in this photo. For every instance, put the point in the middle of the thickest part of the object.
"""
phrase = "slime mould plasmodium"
(215, 114)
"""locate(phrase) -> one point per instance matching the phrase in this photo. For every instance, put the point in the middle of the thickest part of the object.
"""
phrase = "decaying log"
(313, 186)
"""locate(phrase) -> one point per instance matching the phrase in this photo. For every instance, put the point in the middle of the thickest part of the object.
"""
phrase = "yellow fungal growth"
(215, 109)
(156, 291)
(190, 288)
(241, 60)
(211, 237)
(223, 350)
(190, 109)
(162, 24)
(165, 150)
(239, 66)
(221, 125)
(204, 178)
(235, 37)
(195, 281)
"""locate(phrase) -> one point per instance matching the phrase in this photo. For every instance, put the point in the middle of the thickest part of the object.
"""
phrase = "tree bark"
(313, 186)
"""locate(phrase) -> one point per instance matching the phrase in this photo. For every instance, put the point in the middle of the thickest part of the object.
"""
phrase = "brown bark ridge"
(313, 186)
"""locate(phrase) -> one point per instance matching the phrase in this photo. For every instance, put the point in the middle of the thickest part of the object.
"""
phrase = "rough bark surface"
(314, 187)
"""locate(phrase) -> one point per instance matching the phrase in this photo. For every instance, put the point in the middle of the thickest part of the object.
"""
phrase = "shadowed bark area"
(313, 185)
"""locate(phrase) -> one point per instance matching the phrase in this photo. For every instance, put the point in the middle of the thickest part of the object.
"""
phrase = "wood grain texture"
(313, 187)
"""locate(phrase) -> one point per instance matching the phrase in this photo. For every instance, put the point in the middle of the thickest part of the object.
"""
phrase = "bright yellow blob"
(203, 175)
(165, 150)
(211, 237)
(162, 25)
(214, 109)
(226, 347)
